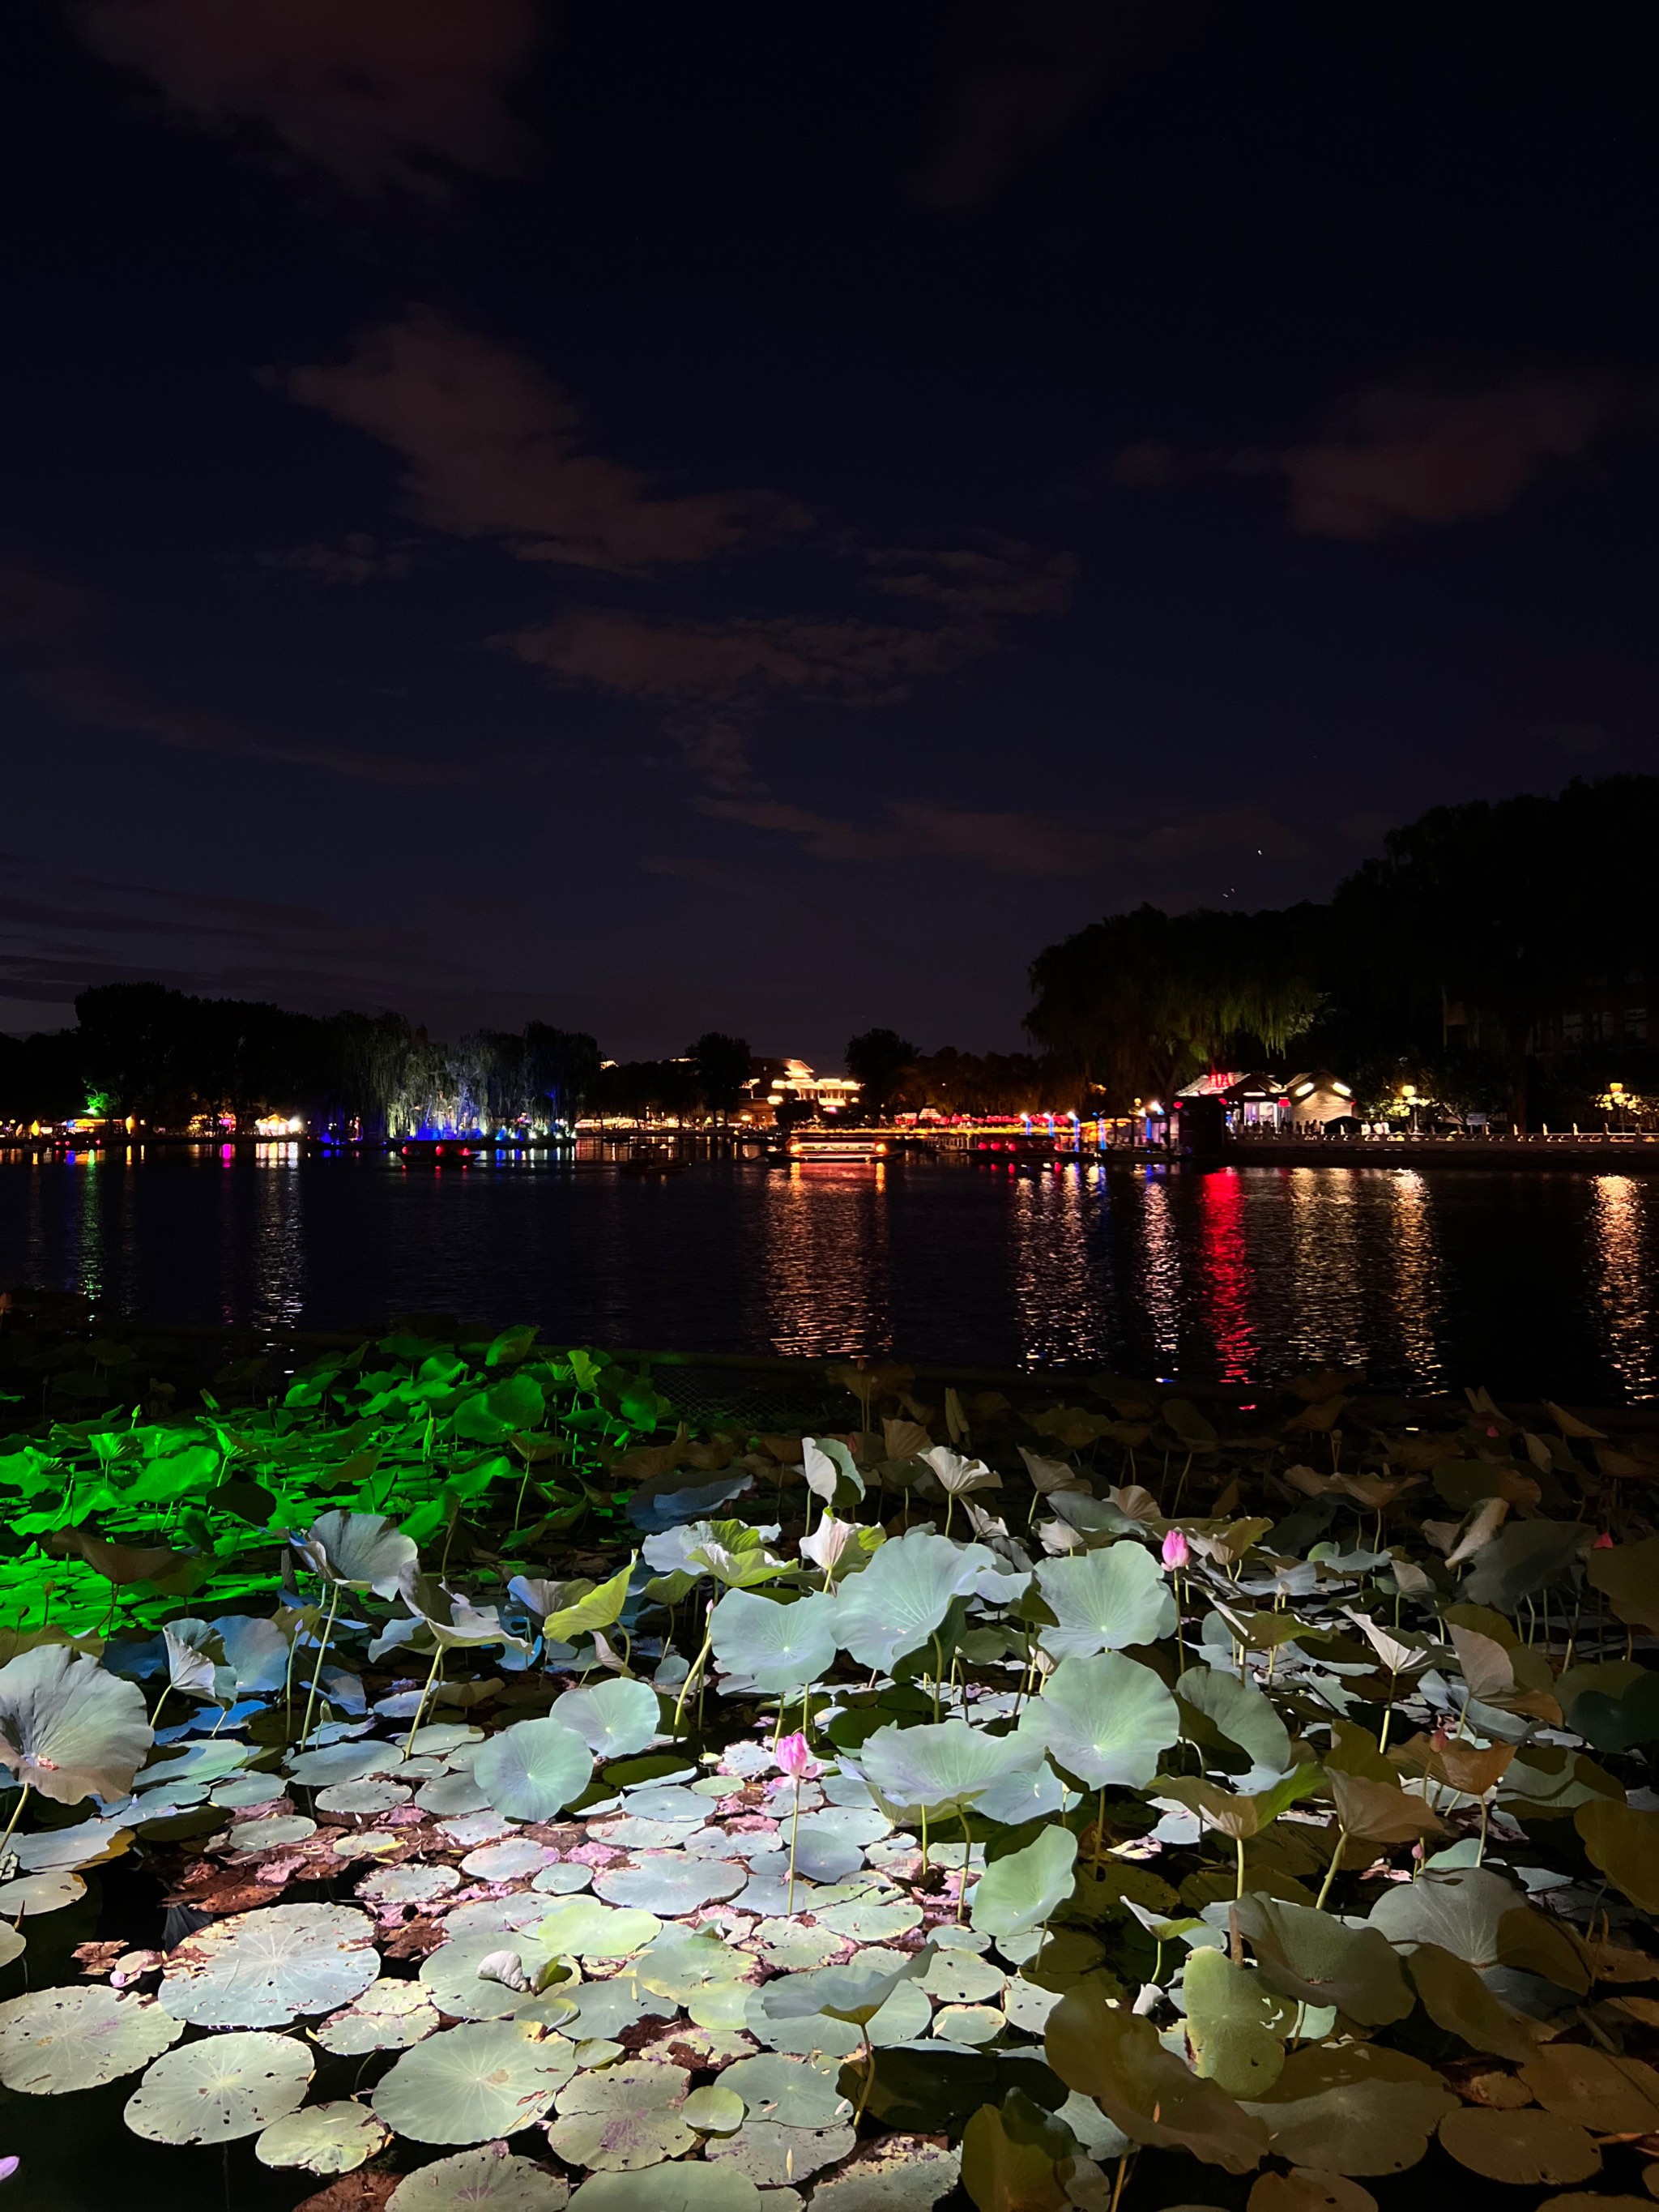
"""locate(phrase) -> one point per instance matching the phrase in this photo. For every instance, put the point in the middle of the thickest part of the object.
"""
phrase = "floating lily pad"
(55, 2040)
(490, 2176)
(411, 1883)
(365, 1799)
(452, 1980)
(713, 2112)
(681, 2186)
(777, 2157)
(34, 1893)
(263, 1969)
(510, 1860)
(588, 1929)
(794, 2092)
(971, 2024)
(390, 2015)
(323, 2138)
(221, 2088)
(564, 1878)
(955, 1976)
(519, 1909)
(340, 1762)
(668, 1884)
(901, 2173)
(470, 2084)
(622, 2118)
(533, 1769)
(250, 1837)
(1524, 2148)
(870, 1919)
(452, 1793)
(250, 1790)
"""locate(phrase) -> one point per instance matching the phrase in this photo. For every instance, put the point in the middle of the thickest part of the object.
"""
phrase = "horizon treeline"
(1498, 955)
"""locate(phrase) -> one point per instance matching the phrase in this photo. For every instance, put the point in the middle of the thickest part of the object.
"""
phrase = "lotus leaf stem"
(322, 1654)
(1330, 1871)
(966, 1853)
(869, 2082)
(424, 1699)
(694, 1668)
(16, 1814)
(1238, 1846)
(794, 1828)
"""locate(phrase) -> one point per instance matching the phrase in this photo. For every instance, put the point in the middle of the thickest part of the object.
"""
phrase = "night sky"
(651, 518)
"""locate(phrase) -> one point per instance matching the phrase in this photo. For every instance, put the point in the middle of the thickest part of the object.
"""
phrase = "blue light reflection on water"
(1432, 1278)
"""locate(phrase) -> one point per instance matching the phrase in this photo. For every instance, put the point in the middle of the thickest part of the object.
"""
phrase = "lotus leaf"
(587, 1929)
(562, 1878)
(600, 1608)
(337, 1763)
(1019, 1890)
(453, 1982)
(904, 2174)
(1114, 2055)
(797, 2093)
(1303, 2189)
(1312, 1958)
(682, 2186)
(1461, 1911)
(667, 1802)
(252, 1837)
(780, 1647)
(533, 1769)
(1011, 2157)
(357, 1551)
(69, 1729)
(1244, 1716)
(604, 2010)
(1598, 2089)
(1353, 2108)
(1455, 1998)
(390, 2015)
(1616, 1838)
(898, 1602)
(684, 1966)
(868, 1920)
(55, 2040)
(855, 1992)
(1520, 2147)
(361, 1799)
(1105, 1719)
(1234, 2023)
(622, 2117)
(946, 1765)
(669, 1883)
(1105, 1599)
(491, 2177)
(777, 2157)
(506, 1861)
(471, 2084)
(323, 2138)
(263, 1969)
(221, 2088)
(613, 1719)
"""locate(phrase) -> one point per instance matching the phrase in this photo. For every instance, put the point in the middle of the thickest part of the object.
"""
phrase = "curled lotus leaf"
(682, 2186)
(946, 1764)
(1105, 1719)
(533, 1769)
(454, 1979)
(1113, 2055)
(490, 2176)
(69, 1729)
(614, 1719)
(357, 1551)
(855, 1992)
(1018, 1891)
(263, 1969)
(323, 2138)
(472, 2084)
(221, 2088)
(713, 2111)
(1245, 1717)
(894, 1604)
(780, 1647)
(55, 2040)
(1104, 1600)
(1356, 2108)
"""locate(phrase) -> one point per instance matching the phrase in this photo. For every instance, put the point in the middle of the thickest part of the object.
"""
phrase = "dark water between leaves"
(1528, 1282)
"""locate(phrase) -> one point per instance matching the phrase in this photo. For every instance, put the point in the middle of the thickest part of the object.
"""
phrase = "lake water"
(1532, 1283)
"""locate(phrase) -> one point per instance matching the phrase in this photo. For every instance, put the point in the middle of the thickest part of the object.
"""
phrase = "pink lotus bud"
(1441, 1738)
(1603, 1542)
(9, 2167)
(1177, 1551)
(796, 1761)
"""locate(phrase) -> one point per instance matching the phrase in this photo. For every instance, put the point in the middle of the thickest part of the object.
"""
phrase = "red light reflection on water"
(1227, 1273)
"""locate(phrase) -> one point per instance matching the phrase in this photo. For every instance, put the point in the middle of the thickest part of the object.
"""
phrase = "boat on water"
(652, 1160)
(810, 1151)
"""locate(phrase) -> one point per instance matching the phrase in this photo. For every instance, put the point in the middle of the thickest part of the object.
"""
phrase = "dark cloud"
(495, 449)
(707, 875)
(358, 558)
(1007, 583)
(1397, 455)
(374, 90)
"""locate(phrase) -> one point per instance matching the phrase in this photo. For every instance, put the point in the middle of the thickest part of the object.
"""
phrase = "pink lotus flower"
(1603, 1542)
(1177, 1551)
(9, 2167)
(796, 1761)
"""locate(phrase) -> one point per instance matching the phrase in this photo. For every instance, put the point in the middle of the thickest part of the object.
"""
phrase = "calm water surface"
(1530, 1283)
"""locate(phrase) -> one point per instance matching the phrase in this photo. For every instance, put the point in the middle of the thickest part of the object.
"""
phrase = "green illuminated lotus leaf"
(364, 1798)
(1011, 2157)
(263, 1969)
(334, 1763)
(959, 1976)
(773, 2156)
(1616, 1838)
(1018, 1893)
(583, 1927)
(680, 2186)
(1244, 1716)
(855, 1992)
(600, 1608)
(1104, 1600)
(781, 1648)
(506, 1861)
(1356, 2108)
(221, 2088)
(669, 1883)
(471, 2084)
(1234, 2022)
(871, 1919)
(357, 1551)
(613, 1719)
(490, 2176)
(323, 2138)
(622, 2117)
(898, 2173)
(533, 1769)
(390, 2015)
(898, 1601)
(1522, 2148)
(1455, 1998)
(1114, 2055)
(683, 1967)
(1312, 1958)
(945, 1765)
(69, 1729)
(55, 2040)
(451, 1618)
(797, 2093)
(1105, 1719)
(713, 2111)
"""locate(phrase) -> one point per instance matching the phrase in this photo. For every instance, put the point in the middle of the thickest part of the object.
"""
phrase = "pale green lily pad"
(900, 2173)
(668, 1884)
(55, 2040)
(451, 1795)
(974, 2024)
(410, 1883)
(585, 1928)
(946, 1764)
(250, 1838)
(906, 2016)
(794, 2092)
(323, 2138)
(390, 2015)
(625, 2117)
(1027, 2007)
(1104, 1600)
(250, 1790)
(1019, 1892)
(713, 2112)
(780, 1647)
(442, 1739)
(263, 1969)
(795, 1948)
(533, 1769)
(34, 1893)
(221, 2088)
(12, 1944)
(777, 2157)
(1105, 1719)
(510, 1860)
(685, 1966)
(614, 1719)
(365, 1799)
(452, 1981)
(683, 2185)
(471, 2084)
(340, 1762)
(518, 1909)
(870, 1920)
(563, 1879)
(962, 1978)
(599, 2051)
(490, 2176)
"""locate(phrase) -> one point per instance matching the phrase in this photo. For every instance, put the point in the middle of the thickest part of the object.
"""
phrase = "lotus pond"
(443, 1773)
